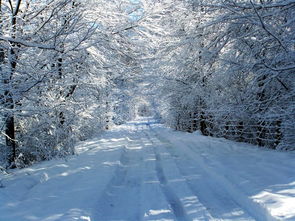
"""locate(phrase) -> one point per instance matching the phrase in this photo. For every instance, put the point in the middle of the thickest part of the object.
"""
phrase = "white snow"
(144, 171)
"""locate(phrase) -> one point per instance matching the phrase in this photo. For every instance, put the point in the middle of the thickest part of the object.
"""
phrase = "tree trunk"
(203, 125)
(10, 140)
(9, 106)
(8, 94)
(9, 116)
(193, 126)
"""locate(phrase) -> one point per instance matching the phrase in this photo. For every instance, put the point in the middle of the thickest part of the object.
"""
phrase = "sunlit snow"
(144, 171)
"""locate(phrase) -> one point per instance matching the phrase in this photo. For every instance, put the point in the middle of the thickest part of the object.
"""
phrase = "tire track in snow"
(155, 205)
(123, 191)
(190, 202)
(253, 208)
(173, 200)
(206, 191)
(171, 197)
(202, 188)
(105, 204)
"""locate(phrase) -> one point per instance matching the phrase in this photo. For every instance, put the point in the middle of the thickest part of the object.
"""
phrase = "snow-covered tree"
(227, 69)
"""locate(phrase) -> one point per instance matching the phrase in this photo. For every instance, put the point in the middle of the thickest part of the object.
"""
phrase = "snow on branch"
(28, 44)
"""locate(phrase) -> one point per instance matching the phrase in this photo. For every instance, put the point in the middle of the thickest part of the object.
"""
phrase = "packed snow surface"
(144, 171)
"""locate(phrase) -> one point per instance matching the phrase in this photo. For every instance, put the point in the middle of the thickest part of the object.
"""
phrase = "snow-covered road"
(144, 171)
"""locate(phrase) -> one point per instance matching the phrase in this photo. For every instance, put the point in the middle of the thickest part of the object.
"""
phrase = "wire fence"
(276, 131)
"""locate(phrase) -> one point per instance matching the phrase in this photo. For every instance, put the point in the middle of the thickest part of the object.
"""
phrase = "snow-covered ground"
(144, 171)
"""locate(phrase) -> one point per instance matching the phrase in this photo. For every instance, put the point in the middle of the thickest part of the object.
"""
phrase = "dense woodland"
(73, 68)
